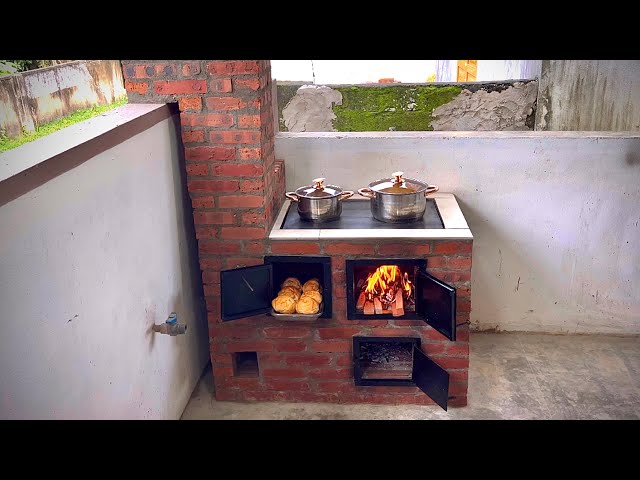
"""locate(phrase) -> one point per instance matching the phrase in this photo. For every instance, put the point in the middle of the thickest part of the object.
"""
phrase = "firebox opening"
(245, 364)
(383, 360)
(382, 288)
(385, 289)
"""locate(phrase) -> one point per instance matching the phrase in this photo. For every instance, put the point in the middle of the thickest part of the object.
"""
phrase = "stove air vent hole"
(245, 364)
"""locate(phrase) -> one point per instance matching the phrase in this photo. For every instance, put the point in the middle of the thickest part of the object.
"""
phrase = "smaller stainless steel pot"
(319, 202)
(397, 199)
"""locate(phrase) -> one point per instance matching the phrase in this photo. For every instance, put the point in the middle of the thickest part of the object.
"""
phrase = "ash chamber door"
(430, 377)
(246, 291)
(398, 361)
(436, 304)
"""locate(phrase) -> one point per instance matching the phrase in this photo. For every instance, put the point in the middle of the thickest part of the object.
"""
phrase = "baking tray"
(297, 317)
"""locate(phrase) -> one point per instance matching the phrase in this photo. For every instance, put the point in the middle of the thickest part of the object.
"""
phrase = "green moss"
(397, 107)
(48, 128)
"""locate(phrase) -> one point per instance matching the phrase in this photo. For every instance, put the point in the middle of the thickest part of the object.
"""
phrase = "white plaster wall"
(446, 71)
(292, 70)
(589, 95)
(88, 262)
(491, 70)
(352, 71)
(555, 216)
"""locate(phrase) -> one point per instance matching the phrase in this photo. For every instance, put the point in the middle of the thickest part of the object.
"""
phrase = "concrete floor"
(512, 376)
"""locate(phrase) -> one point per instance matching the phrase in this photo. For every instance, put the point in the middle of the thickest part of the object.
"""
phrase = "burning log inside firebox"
(398, 307)
(386, 291)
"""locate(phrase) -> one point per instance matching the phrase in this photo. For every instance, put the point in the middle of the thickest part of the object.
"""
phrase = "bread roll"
(292, 292)
(284, 304)
(317, 296)
(307, 305)
(312, 284)
(292, 282)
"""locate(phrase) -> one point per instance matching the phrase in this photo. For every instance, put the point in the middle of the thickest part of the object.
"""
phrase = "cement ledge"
(31, 164)
(429, 135)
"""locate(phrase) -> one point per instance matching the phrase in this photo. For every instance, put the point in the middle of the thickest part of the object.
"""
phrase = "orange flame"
(407, 285)
(385, 279)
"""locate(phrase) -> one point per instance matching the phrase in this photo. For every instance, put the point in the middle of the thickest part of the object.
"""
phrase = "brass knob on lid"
(398, 176)
(318, 183)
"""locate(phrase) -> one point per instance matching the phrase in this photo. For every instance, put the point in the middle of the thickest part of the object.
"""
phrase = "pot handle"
(366, 192)
(431, 189)
(346, 194)
(291, 196)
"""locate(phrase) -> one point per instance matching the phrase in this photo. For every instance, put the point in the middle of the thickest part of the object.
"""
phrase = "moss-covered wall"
(374, 108)
(397, 107)
(383, 107)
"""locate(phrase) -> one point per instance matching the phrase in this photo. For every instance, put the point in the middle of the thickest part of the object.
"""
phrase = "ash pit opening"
(386, 360)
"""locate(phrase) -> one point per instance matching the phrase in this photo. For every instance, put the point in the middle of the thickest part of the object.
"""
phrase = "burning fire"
(385, 282)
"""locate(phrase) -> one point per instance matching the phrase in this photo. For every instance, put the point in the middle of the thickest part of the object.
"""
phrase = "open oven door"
(436, 304)
(430, 378)
(245, 291)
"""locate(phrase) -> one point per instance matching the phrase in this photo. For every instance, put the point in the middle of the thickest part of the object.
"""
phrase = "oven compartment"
(248, 291)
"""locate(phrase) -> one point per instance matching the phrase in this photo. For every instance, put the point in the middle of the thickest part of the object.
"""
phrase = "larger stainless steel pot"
(397, 199)
(319, 202)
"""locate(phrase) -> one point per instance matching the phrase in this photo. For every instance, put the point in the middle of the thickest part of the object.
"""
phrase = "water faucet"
(171, 326)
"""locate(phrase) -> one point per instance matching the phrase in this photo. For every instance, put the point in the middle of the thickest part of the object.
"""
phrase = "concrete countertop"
(455, 226)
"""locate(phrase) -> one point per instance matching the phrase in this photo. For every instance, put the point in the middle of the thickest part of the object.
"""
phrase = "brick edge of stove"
(300, 362)
(237, 187)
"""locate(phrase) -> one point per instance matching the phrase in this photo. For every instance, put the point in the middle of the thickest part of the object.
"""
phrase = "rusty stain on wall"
(35, 97)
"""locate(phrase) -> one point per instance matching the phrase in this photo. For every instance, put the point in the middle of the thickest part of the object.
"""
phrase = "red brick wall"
(235, 183)
(236, 188)
(313, 362)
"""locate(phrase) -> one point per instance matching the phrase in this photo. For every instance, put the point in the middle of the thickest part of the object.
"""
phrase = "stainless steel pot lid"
(398, 185)
(319, 190)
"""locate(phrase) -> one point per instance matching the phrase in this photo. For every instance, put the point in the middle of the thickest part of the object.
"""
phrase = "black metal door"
(245, 291)
(436, 304)
(430, 378)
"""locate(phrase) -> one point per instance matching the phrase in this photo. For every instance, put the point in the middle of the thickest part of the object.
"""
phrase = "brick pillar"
(236, 186)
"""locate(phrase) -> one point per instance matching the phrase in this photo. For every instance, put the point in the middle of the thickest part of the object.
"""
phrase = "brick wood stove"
(237, 191)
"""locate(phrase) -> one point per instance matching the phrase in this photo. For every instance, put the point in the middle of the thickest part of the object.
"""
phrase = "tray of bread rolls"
(298, 301)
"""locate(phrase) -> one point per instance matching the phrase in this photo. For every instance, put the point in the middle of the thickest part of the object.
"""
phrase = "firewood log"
(360, 302)
(368, 308)
(398, 305)
(378, 305)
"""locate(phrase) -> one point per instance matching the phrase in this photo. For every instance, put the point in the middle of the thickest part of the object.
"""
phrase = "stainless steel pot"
(397, 199)
(319, 202)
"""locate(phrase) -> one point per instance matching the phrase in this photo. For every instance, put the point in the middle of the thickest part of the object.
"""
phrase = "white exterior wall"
(88, 262)
(555, 216)
(492, 70)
